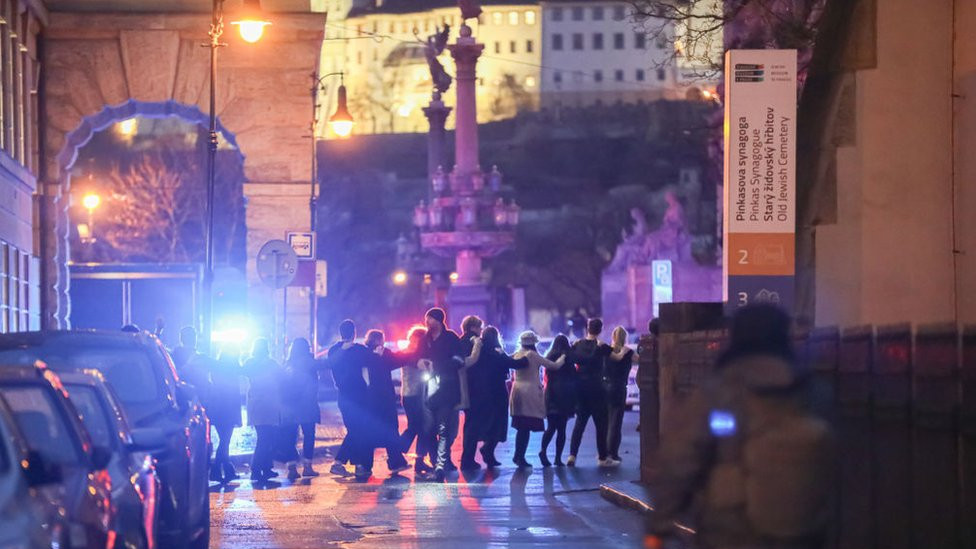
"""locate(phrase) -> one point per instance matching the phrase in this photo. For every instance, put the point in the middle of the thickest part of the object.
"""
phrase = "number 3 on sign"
(743, 257)
(743, 299)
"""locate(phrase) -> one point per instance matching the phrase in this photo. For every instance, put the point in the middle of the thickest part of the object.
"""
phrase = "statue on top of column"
(434, 47)
(470, 9)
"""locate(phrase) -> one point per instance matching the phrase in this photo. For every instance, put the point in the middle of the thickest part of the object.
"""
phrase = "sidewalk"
(629, 494)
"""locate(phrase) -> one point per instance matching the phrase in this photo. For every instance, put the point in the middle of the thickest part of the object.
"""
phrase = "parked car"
(60, 455)
(31, 491)
(153, 397)
(135, 486)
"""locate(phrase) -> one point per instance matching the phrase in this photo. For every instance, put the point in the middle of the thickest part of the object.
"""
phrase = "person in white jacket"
(528, 402)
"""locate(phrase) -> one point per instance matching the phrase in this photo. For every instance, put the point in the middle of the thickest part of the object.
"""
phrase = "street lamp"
(251, 26)
(250, 21)
(90, 201)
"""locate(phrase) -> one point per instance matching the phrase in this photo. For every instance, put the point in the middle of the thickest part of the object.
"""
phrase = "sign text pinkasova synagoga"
(760, 177)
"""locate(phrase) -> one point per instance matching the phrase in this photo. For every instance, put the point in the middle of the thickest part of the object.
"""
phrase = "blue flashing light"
(721, 423)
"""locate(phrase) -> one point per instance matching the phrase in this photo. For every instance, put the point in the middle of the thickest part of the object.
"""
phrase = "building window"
(530, 18)
(577, 41)
(392, 28)
(513, 18)
(598, 41)
(598, 13)
(529, 46)
(557, 77)
(511, 47)
(618, 75)
(497, 18)
(661, 41)
(557, 14)
(577, 13)
(661, 75)
(640, 75)
(557, 42)
(640, 41)
(618, 13)
(598, 75)
(498, 47)
(618, 41)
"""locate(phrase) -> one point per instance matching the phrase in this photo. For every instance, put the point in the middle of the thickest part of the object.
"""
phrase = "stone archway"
(100, 67)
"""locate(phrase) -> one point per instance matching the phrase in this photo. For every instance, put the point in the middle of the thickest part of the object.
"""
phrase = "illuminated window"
(530, 18)
(497, 18)
(513, 18)
(530, 81)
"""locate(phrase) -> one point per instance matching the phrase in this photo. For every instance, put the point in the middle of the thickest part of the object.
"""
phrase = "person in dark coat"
(263, 407)
(224, 408)
(300, 405)
(560, 394)
(445, 352)
(347, 360)
(616, 375)
(486, 419)
(589, 354)
(382, 408)
(413, 390)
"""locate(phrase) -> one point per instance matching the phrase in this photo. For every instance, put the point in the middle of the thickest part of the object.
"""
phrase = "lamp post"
(251, 25)
(341, 123)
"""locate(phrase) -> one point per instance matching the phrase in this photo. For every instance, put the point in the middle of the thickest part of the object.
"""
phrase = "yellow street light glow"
(454, 277)
(341, 121)
(128, 127)
(251, 21)
(91, 201)
(399, 278)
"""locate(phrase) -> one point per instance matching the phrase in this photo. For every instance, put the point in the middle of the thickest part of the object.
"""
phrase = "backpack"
(783, 457)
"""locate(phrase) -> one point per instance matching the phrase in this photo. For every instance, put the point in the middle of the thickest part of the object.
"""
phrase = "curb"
(629, 495)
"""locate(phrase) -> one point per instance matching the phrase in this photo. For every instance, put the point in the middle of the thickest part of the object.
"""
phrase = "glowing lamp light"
(402, 344)
(399, 278)
(341, 121)
(721, 423)
(128, 127)
(251, 22)
(454, 277)
(91, 201)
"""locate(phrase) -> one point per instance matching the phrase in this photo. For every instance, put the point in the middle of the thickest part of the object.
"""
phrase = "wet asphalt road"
(554, 507)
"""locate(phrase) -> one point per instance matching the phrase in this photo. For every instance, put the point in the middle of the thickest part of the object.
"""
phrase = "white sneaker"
(604, 462)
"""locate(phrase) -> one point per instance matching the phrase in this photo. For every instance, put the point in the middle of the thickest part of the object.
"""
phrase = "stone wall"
(94, 62)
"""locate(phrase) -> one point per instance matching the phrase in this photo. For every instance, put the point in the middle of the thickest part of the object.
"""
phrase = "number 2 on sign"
(743, 257)
(743, 299)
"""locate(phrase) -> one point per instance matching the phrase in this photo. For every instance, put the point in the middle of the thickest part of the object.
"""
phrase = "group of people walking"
(445, 374)
(282, 400)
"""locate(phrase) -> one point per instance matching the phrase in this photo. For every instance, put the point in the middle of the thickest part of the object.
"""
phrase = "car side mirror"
(147, 439)
(100, 458)
(39, 472)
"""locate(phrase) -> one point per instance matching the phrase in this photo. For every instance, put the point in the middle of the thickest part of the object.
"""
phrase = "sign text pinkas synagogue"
(764, 158)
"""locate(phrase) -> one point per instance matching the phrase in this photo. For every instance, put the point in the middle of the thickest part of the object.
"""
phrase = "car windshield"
(127, 368)
(93, 414)
(44, 428)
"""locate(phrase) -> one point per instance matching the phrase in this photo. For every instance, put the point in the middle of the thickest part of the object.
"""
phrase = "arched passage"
(104, 67)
